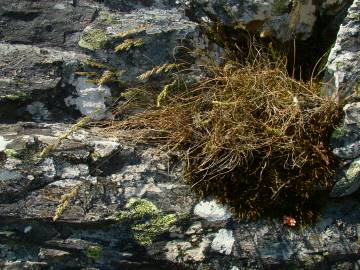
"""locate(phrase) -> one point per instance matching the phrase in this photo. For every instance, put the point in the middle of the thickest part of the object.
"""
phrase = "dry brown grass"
(252, 136)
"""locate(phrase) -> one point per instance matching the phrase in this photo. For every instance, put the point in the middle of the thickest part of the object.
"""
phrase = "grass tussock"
(253, 137)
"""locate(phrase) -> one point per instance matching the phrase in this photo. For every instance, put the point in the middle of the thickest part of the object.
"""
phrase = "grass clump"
(253, 137)
(128, 44)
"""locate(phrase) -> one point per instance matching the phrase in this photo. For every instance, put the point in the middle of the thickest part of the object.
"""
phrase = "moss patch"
(94, 39)
(10, 153)
(147, 221)
(93, 252)
(338, 133)
(14, 97)
(280, 7)
(353, 170)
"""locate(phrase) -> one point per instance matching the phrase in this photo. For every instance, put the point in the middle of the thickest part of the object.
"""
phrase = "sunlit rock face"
(96, 201)
(342, 80)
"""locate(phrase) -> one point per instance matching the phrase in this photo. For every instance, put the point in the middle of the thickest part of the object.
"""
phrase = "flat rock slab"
(44, 23)
(99, 201)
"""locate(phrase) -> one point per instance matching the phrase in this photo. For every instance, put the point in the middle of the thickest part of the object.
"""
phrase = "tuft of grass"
(157, 70)
(164, 92)
(127, 44)
(133, 31)
(107, 76)
(51, 147)
(94, 64)
(252, 137)
(64, 202)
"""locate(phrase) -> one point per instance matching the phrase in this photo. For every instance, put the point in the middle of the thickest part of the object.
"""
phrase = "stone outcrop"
(282, 19)
(101, 202)
(343, 81)
(81, 198)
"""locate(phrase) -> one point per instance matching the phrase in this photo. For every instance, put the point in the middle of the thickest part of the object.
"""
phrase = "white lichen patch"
(48, 168)
(182, 251)
(73, 171)
(4, 143)
(65, 183)
(59, 6)
(104, 148)
(223, 242)
(90, 98)
(174, 249)
(197, 254)
(211, 211)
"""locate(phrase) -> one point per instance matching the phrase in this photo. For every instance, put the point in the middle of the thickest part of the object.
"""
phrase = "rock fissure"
(132, 209)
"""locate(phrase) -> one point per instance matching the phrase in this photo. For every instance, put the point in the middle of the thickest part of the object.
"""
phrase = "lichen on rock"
(93, 39)
(146, 220)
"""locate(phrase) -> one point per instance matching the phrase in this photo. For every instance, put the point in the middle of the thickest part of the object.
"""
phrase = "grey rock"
(35, 81)
(343, 78)
(44, 23)
(343, 72)
(169, 30)
(349, 182)
(282, 19)
(99, 202)
(124, 5)
(137, 211)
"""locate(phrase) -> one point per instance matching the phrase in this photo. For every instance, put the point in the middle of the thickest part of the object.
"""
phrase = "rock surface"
(343, 79)
(99, 202)
(282, 19)
(82, 205)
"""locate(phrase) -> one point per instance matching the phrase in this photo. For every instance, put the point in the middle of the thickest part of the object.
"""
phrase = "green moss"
(338, 133)
(10, 153)
(93, 252)
(14, 96)
(94, 39)
(280, 7)
(353, 170)
(147, 221)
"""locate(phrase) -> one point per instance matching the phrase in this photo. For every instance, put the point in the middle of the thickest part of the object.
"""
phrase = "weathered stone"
(343, 66)
(35, 81)
(342, 77)
(155, 28)
(44, 23)
(124, 5)
(350, 182)
(135, 192)
(282, 19)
